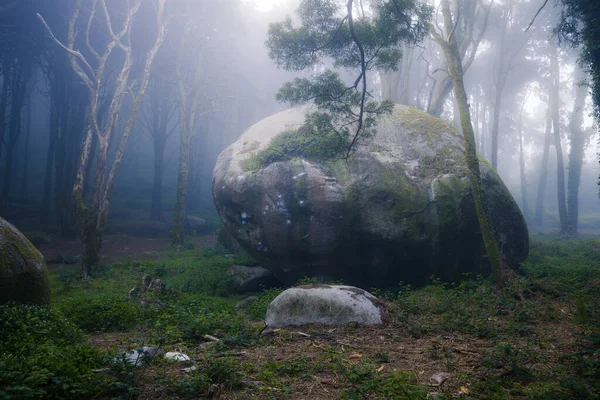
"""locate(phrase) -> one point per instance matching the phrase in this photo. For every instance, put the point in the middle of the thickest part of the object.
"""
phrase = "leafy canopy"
(337, 34)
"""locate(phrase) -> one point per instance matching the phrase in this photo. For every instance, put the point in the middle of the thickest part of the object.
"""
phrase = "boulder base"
(323, 304)
(23, 272)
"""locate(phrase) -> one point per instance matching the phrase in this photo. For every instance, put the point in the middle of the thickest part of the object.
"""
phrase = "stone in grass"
(323, 304)
(252, 279)
(176, 356)
(23, 272)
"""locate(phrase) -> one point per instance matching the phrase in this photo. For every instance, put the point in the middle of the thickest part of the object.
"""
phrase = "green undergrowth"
(537, 338)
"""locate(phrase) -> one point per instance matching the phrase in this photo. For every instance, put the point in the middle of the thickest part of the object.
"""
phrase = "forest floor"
(115, 248)
(537, 338)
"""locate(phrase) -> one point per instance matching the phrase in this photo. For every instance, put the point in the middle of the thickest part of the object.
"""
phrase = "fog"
(211, 78)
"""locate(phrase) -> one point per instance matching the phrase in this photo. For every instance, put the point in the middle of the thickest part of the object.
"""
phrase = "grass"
(537, 338)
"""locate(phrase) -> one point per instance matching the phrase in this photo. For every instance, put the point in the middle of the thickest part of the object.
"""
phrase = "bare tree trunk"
(455, 70)
(541, 193)
(560, 165)
(577, 150)
(4, 101)
(18, 88)
(522, 172)
(182, 189)
(500, 82)
(25, 175)
(54, 117)
(156, 212)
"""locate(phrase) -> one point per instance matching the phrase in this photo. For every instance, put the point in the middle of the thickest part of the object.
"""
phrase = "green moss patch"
(298, 143)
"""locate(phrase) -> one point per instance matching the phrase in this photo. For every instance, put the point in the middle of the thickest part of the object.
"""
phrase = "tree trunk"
(455, 70)
(46, 199)
(577, 150)
(500, 82)
(182, 188)
(524, 203)
(159, 156)
(541, 193)
(3, 102)
(25, 175)
(436, 106)
(560, 165)
(14, 131)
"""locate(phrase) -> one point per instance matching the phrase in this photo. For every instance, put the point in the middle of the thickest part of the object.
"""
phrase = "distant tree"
(157, 123)
(578, 138)
(351, 40)
(579, 26)
(472, 17)
(448, 42)
(92, 220)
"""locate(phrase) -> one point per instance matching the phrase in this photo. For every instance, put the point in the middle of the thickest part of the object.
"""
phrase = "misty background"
(519, 82)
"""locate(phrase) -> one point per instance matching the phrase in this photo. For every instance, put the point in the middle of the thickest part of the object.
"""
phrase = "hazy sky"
(265, 5)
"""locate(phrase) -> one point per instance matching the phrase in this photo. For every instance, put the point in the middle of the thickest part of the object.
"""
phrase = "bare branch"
(536, 15)
(87, 79)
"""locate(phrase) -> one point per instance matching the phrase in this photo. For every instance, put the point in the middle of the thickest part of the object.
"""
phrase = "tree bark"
(25, 175)
(455, 70)
(541, 193)
(500, 82)
(560, 165)
(156, 212)
(182, 189)
(4, 101)
(577, 150)
(19, 86)
(522, 173)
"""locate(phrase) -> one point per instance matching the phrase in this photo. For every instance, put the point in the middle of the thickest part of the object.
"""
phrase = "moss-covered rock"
(23, 273)
(400, 209)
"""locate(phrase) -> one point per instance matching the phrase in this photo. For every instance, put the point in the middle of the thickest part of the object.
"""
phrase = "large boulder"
(399, 209)
(23, 272)
(323, 304)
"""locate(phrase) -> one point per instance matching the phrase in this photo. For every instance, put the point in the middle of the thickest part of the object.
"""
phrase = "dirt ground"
(115, 248)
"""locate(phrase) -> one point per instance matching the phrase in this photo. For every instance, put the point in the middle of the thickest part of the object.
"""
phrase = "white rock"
(176, 356)
(323, 304)
(137, 357)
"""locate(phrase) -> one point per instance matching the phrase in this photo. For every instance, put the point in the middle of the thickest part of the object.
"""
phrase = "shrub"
(108, 313)
(43, 355)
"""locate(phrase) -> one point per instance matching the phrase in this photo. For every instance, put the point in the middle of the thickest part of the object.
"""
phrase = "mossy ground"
(538, 338)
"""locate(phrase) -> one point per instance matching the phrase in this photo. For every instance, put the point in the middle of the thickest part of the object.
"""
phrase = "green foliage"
(43, 355)
(257, 309)
(213, 371)
(328, 32)
(401, 385)
(106, 313)
(300, 143)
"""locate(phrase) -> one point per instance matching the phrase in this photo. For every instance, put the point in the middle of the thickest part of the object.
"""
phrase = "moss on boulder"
(400, 209)
(23, 272)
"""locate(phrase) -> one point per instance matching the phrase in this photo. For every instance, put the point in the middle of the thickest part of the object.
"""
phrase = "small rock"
(439, 378)
(434, 396)
(176, 356)
(252, 279)
(323, 304)
(137, 357)
(190, 369)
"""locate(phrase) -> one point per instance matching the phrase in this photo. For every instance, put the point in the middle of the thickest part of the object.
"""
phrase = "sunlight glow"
(265, 5)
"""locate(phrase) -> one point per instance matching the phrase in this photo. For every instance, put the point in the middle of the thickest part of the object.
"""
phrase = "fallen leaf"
(380, 368)
(354, 356)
